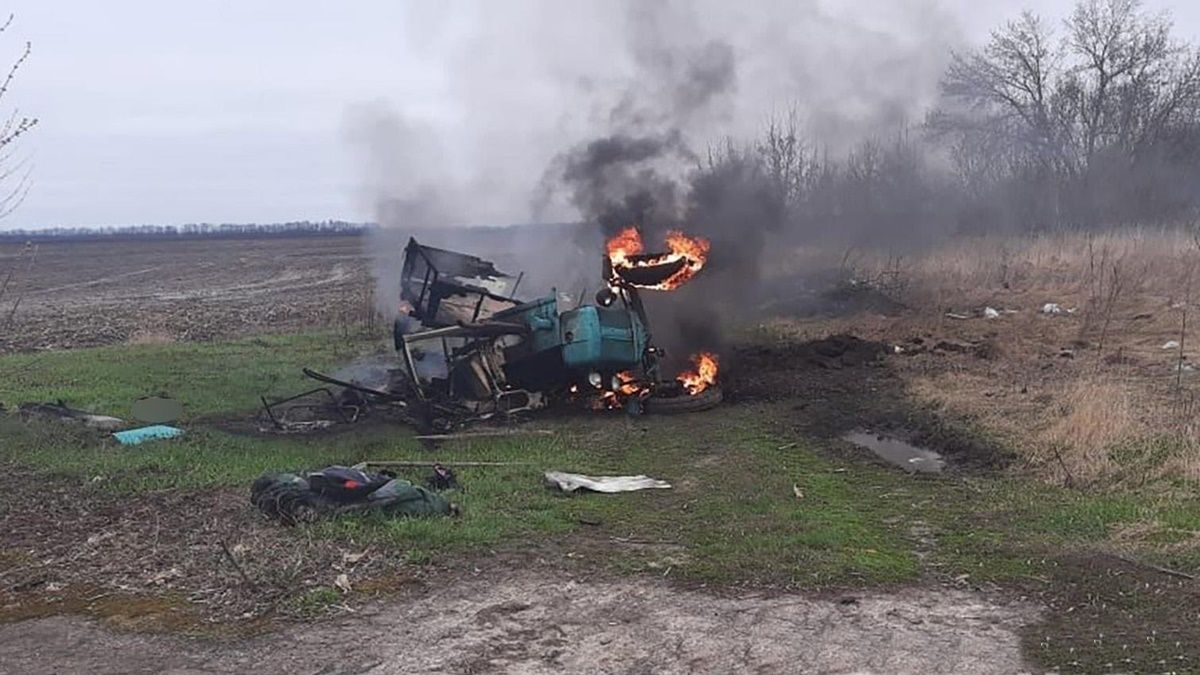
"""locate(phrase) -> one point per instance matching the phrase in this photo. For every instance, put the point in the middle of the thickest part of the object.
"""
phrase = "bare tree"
(14, 172)
(1003, 92)
(1104, 123)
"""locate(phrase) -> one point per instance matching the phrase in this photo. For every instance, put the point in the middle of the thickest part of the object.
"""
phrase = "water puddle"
(894, 451)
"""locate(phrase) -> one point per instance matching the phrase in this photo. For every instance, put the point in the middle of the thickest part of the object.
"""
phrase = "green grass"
(316, 601)
(206, 377)
(732, 515)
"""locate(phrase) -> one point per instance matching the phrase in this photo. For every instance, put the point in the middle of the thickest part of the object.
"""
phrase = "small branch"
(362, 465)
(486, 434)
(233, 561)
(4, 286)
(13, 312)
(1057, 455)
(1162, 570)
(1183, 333)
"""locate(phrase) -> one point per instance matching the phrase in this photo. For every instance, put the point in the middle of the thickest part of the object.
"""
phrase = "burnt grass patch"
(1109, 614)
(843, 383)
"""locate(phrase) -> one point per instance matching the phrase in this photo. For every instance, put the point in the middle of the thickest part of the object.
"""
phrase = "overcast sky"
(172, 112)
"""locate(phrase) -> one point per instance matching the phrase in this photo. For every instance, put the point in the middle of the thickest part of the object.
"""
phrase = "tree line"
(1087, 124)
(301, 228)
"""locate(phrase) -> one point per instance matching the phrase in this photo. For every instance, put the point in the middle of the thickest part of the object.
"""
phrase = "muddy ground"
(540, 621)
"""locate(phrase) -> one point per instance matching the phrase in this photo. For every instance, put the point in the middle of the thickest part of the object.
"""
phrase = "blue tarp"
(142, 434)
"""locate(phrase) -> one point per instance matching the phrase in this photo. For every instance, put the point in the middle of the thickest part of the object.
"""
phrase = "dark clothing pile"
(292, 498)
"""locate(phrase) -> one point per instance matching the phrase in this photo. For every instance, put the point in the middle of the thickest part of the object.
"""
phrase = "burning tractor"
(471, 350)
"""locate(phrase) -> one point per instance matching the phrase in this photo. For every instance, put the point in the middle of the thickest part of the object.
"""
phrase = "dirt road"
(545, 622)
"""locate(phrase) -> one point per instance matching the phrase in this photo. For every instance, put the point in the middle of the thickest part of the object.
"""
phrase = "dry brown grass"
(1065, 264)
(1091, 395)
(151, 336)
(1092, 416)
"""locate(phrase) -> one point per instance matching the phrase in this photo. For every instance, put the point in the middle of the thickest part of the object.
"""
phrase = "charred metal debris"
(469, 350)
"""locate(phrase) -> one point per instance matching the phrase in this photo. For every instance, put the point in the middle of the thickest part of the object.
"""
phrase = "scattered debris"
(143, 434)
(442, 479)
(157, 410)
(570, 482)
(797, 491)
(985, 312)
(342, 583)
(309, 410)
(1054, 308)
(60, 411)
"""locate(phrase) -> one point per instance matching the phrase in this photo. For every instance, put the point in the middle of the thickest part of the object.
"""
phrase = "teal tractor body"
(467, 339)
(567, 347)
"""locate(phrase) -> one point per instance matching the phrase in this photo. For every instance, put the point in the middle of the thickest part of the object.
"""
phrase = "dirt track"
(543, 622)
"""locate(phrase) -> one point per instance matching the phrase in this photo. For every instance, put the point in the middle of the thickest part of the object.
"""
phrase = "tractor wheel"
(671, 405)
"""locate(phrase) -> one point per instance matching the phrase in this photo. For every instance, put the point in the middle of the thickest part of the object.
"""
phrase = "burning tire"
(684, 403)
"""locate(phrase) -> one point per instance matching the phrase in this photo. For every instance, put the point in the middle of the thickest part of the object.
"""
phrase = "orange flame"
(629, 384)
(692, 250)
(615, 400)
(625, 243)
(703, 376)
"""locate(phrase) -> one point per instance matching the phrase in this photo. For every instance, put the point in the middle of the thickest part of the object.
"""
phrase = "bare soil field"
(87, 293)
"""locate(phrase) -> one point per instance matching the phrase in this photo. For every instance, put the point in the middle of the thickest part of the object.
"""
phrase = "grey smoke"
(608, 113)
(643, 173)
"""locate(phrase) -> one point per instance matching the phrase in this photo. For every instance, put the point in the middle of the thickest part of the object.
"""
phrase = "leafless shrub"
(789, 160)
(22, 266)
(1106, 283)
